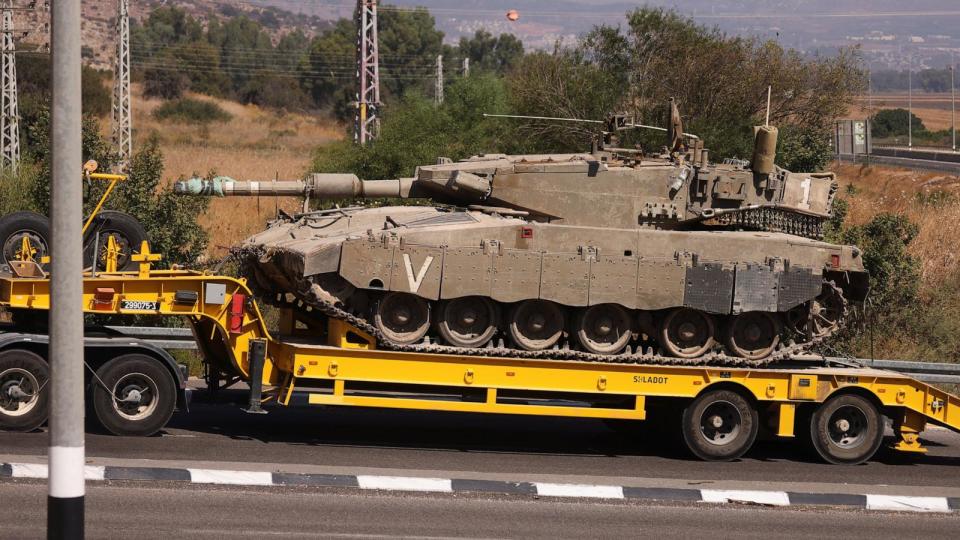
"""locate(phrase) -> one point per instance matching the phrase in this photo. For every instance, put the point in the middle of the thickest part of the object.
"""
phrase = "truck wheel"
(16, 227)
(719, 425)
(846, 430)
(24, 399)
(125, 230)
(134, 395)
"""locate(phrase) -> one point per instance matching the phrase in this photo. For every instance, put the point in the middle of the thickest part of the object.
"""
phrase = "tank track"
(307, 301)
(773, 220)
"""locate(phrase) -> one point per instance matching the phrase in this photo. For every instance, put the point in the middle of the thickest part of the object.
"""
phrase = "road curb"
(866, 501)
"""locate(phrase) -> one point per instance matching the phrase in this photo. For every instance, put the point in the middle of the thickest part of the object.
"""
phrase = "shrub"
(191, 111)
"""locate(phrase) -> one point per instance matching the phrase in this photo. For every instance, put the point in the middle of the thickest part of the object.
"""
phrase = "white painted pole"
(65, 513)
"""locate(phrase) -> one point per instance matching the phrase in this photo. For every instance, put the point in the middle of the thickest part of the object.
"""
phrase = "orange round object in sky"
(513, 15)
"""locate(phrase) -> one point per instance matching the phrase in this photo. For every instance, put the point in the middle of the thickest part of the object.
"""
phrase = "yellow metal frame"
(27, 251)
(341, 369)
(114, 179)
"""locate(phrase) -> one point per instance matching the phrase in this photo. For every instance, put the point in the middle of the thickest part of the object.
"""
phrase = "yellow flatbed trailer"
(719, 410)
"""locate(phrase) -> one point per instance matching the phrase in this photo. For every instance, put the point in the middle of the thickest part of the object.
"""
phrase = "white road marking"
(903, 503)
(405, 483)
(579, 490)
(235, 478)
(29, 470)
(773, 498)
(415, 283)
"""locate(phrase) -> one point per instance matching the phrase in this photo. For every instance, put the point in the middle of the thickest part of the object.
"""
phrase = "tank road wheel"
(687, 333)
(846, 429)
(536, 324)
(24, 236)
(24, 403)
(719, 425)
(753, 335)
(825, 313)
(403, 318)
(604, 328)
(468, 322)
(133, 395)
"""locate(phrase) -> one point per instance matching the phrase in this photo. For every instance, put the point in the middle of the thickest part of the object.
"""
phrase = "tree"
(170, 220)
(417, 131)
(487, 52)
(894, 123)
(719, 81)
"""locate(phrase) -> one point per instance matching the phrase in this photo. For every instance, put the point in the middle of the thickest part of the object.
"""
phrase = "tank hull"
(357, 258)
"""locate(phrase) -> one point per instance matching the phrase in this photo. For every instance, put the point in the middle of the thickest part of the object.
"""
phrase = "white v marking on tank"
(416, 282)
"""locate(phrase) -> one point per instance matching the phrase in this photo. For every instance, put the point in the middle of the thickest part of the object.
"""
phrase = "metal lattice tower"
(122, 125)
(367, 119)
(9, 107)
(438, 89)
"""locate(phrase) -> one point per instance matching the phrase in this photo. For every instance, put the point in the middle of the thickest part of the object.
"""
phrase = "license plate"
(139, 305)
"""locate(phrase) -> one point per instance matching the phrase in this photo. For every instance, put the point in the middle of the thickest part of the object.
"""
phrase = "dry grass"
(885, 189)
(255, 144)
(933, 109)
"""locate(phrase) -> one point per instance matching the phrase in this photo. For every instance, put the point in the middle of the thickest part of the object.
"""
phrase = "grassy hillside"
(928, 328)
(254, 144)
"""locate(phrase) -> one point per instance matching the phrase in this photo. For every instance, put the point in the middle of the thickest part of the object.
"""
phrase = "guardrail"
(929, 372)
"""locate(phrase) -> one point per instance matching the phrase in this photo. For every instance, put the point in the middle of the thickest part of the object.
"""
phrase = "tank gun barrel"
(318, 185)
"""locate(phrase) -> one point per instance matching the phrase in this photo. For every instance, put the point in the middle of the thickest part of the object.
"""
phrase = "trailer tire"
(133, 395)
(124, 228)
(846, 430)
(23, 372)
(720, 425)
(14, 227)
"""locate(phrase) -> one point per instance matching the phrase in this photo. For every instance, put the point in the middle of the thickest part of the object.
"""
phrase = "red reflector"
(103, 296)
(835, 261)
(236, 313)
(526, 232)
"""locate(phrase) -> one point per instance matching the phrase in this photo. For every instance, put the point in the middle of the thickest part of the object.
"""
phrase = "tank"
(609, 254)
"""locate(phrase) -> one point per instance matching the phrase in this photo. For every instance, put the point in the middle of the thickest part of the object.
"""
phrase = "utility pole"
(9, 107)
(438, 89)
(122, 124)
(367, 120)
(66, 453)
(466, 66)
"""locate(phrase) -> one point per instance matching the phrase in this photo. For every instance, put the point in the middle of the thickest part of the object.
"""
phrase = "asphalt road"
(457, 442)
(137, 511)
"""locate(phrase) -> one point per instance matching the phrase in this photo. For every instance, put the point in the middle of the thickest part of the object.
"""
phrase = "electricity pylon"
(9, 107)
(367, 119)
(122, 125)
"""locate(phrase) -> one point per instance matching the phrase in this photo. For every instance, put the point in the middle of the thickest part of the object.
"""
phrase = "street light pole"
(66, 452)
(953, 107)
(910, 106)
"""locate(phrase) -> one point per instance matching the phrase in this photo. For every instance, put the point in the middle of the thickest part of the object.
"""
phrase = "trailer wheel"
(133, 395)
(719, 425)
(846, 429)
(24, 401)
(20, 226)
(128, 233)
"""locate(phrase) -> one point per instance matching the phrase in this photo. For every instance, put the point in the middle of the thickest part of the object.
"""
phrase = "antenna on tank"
(767, 122)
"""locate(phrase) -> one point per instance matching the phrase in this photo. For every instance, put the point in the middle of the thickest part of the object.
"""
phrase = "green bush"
(191, 111)
(894, 123)
(894, 273)
(417, 132)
